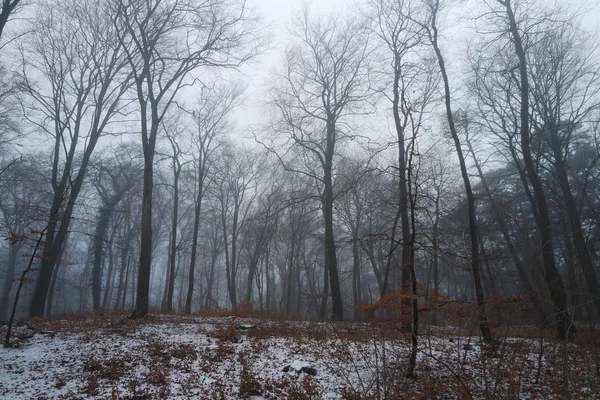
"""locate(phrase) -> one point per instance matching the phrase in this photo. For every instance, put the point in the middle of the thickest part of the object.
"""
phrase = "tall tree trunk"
(110, 278)
(192, 270)
(571, 274)
(483, 320)
(565, 327)
(142, 298)
(402, 196)
(356, 278)
(13, 251)
(572, 211)
(50, 299)
(56, 235)
(516, 259)
(330, 252)
(173, 251)
(325, 297)
(384, 287)
(290, 273)
(370, 251)
(435, 261)
(104, 217)
(211, 279)
(414, 302)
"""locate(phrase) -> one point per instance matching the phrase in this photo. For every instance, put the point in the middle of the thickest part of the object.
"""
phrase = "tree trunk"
(142, 298)
(99, 240)
(435, 263)
(330, 251)
(173, 252)
(519, 265)
(402, 198)
(56, 235)
(8, 279)
(356, 281)
(290, 273)
(211, 279)
(579, 242)
(565, 327)
(325, 297)
(483, 321)
(110, 278)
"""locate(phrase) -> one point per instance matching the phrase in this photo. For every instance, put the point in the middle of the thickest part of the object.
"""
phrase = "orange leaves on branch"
(26, 281)
(389, 303)
(17, 238)
(512, 303)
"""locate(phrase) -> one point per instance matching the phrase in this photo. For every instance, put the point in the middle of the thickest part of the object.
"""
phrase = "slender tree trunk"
(192, 270)
(435, 263)
(211, 279)
(110, 278)
(579, 242)
(55, 237)
(290, 273)
(104, 217)
(122, 278)
(173, 251)
(571, 274)
(390, 257)
(356, 281)
(516, 259)
(414, 302)
(483, 320)
(370, 251)
(330, 251)
(323, 306)
(50, 299)
(565, 327)
(402, 200)
(13, 251)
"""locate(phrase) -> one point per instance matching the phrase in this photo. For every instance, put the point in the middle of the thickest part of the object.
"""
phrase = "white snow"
(193, 357)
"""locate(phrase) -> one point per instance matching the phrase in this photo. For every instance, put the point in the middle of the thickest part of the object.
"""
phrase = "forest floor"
(107, 356)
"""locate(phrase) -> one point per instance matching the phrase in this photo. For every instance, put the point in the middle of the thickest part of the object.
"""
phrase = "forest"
(421, 164)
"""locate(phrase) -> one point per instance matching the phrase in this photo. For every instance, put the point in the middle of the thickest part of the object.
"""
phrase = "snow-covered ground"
(176, 357)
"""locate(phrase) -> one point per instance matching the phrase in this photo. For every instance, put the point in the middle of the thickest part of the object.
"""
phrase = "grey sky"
(278, 15)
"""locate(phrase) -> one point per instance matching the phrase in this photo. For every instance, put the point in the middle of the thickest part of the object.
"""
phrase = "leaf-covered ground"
(182, 357)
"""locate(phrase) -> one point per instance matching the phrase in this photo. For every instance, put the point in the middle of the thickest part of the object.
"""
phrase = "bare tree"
(173, 131)
(432, 32)
(236, 193)
(463, 122)
(211, 120)
(74, 51)
(412, 86)
(324, 83)
(114, 178)
(259, 232)
(22, 196)
(166, 41)
(512, 28)
(558, 107)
